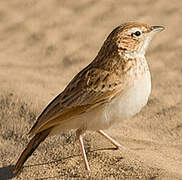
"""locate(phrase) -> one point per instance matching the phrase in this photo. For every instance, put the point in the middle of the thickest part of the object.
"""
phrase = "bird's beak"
(157, 28)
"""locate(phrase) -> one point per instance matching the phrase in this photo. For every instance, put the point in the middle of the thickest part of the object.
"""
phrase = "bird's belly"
(123, 107)
(131, 102)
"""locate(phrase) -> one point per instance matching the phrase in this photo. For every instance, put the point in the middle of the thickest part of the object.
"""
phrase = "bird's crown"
(130, 38)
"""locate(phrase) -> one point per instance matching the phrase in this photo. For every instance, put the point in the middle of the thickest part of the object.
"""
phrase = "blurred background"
(43, 44)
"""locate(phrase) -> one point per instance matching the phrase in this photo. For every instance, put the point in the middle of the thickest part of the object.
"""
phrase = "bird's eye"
(137, 33)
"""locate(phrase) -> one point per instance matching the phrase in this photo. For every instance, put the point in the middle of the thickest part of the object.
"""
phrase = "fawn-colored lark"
(113, 87)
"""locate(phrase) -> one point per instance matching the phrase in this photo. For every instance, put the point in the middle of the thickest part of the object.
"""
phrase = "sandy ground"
(43, 44)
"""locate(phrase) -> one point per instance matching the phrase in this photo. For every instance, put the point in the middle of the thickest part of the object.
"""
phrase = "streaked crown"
(131, 38)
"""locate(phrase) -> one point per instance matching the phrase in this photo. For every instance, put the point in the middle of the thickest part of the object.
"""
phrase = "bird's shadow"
(69, 157)
(7, 171)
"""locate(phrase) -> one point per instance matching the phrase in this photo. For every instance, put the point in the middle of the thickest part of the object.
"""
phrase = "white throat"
(134, 54)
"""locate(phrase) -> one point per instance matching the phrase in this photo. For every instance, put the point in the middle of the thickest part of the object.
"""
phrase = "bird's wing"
(90, 88)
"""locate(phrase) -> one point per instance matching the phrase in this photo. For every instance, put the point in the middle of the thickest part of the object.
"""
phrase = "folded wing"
(90, 88)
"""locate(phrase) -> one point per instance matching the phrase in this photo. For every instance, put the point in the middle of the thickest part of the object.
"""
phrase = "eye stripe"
(134, 29)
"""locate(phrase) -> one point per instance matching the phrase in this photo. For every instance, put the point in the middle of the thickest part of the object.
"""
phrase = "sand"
(43, 44)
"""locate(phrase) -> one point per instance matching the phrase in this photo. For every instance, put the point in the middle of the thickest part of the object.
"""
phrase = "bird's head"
(132, 38)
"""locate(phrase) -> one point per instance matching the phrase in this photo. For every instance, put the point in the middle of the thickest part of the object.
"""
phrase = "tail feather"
(32, 145)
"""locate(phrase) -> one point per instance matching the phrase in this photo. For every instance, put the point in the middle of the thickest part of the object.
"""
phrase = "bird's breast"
(131, 101)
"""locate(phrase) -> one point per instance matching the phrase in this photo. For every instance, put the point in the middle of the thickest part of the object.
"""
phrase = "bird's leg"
(78, 133)
(115, 143)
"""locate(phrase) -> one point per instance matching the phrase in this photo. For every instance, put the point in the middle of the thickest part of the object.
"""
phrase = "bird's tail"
(32, 145)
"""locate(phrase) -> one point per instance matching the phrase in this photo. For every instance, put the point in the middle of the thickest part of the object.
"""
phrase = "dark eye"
(137, 33)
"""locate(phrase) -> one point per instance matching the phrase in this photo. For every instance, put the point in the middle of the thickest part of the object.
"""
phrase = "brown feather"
(108, 72)
(32, 145)
(82, 94)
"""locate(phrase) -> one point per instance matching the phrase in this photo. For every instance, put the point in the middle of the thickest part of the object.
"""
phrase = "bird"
(115, 86)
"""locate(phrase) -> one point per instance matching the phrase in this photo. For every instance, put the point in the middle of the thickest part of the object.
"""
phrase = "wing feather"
(88, 89)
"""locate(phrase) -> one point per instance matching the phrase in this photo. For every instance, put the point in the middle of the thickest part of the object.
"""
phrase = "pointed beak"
(157, 28)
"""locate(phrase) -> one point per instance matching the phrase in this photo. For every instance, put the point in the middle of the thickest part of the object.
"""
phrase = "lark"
(115, 86)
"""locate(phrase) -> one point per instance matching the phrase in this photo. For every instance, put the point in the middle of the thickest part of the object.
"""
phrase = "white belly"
(131, 102)
(123, 107)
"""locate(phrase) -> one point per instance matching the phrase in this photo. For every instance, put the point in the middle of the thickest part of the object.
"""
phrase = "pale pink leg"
(115, 143)
(83, 150)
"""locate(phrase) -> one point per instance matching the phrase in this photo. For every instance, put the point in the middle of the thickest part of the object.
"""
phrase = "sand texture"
(43, 44)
